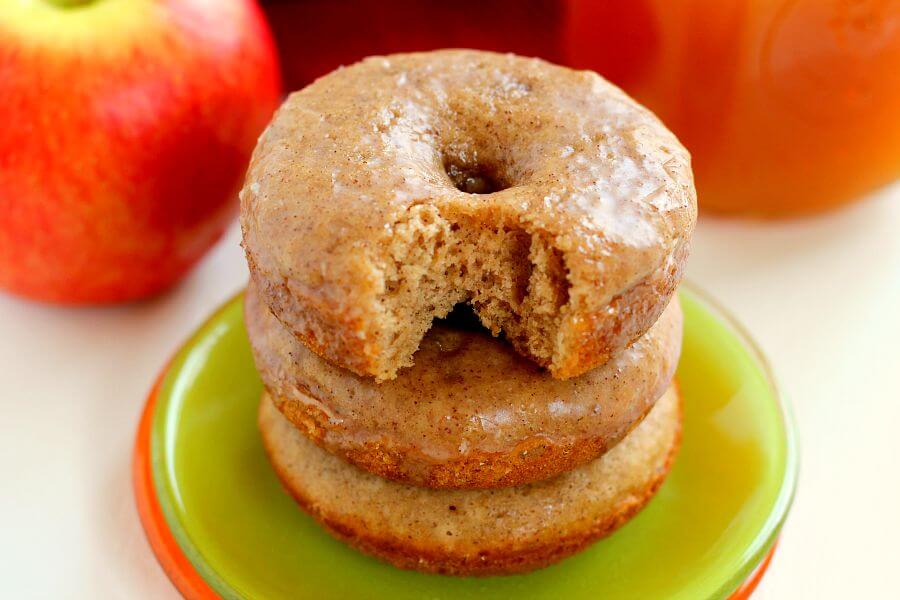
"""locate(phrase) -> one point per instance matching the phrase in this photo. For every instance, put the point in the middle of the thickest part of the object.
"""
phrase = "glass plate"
(221, 524)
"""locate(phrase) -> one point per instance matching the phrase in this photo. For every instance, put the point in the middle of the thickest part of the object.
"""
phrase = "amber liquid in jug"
(787, 106)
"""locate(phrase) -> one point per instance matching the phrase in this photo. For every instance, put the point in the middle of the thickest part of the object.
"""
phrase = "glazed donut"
(476, 532)
(387, 192)
(471, 413)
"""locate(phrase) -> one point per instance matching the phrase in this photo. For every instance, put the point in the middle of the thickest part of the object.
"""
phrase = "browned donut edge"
(501, 560)
(598, 338)
(531, 460)
(342, 346)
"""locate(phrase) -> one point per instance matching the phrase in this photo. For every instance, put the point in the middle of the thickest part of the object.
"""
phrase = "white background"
(820, 295)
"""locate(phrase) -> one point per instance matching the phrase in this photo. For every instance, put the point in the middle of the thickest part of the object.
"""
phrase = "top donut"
(387, 192)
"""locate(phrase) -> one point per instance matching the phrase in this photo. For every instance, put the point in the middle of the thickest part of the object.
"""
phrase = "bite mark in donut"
(515, 280)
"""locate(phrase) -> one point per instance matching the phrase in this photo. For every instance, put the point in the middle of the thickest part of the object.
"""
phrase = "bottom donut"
(476, 532)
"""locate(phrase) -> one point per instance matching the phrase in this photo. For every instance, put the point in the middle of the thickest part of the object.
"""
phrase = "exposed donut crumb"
(515, 280)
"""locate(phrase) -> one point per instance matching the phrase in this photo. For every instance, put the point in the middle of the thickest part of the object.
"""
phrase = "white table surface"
(820, 295)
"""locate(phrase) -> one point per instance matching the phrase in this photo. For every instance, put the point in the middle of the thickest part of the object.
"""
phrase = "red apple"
(127, 127)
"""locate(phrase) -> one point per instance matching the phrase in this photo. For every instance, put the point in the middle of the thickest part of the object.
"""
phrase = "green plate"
(711, 524)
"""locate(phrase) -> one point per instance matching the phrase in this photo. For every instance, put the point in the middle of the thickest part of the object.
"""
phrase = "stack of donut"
(461, 305)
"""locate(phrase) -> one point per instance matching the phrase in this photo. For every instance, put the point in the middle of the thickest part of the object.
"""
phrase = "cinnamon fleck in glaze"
(471, 412)
(387, 192)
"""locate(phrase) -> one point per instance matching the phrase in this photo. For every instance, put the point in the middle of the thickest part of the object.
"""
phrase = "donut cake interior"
(516, 282)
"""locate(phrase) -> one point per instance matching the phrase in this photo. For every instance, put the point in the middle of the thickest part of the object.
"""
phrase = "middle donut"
(471, 412)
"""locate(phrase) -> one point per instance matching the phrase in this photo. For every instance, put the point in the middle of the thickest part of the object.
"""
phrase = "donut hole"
(474, 179)
(515, 281)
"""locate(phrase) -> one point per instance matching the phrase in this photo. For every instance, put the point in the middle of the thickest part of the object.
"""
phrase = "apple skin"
(127, 128)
